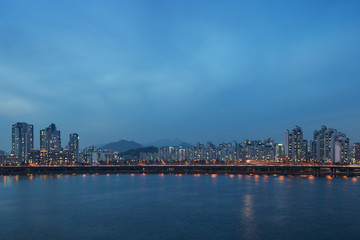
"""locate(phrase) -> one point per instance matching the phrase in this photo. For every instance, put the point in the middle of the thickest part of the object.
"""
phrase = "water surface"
(178, 207)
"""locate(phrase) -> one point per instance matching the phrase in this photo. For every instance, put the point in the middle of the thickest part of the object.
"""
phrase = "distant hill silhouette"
(169, 142)
(136, 152)
(121, 146)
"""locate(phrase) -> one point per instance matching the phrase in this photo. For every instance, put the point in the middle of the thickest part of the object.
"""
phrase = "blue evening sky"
(195, 70)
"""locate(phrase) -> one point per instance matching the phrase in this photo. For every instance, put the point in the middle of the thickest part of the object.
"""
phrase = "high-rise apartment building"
(341, 153)
(74, 145)
(318, 145)
(357, 152)
(330, 146)
(295, 146)
(279, 153)
(22, 140)
(50, 138)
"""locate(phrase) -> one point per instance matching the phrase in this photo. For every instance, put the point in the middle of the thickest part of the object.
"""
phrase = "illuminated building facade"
(295, 146)
(357, 152)
(49, 158)
(279, 153)
(22, 140)
(50, 138)
(74, 145)
(330, 146)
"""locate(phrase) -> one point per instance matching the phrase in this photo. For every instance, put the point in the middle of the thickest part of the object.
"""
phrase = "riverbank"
(317, 170)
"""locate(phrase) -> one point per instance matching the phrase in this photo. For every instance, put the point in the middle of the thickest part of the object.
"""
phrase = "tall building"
(279, 153)
(357, 152)
(269, 149)
(294, 145)
(22, 140)
(74, 145)
(50, 138)
(287, 143)
(341, 154)
(330, 146)
(318, 145)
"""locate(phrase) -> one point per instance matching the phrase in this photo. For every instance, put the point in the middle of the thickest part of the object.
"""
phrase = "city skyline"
(194, 71)
(327, 146)
(53, 133)
(138, 119)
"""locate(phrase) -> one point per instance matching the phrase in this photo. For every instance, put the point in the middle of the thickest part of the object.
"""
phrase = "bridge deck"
(316, 170)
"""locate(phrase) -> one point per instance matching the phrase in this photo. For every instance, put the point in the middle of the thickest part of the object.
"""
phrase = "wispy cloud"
(138, 69)
(15, 106)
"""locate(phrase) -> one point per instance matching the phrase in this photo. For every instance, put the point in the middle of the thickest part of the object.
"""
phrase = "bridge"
(294, 170)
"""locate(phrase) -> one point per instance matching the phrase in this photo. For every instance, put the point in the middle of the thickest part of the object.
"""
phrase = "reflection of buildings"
(22, 139)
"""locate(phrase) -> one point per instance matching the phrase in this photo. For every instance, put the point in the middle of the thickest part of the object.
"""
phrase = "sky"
(194, 70)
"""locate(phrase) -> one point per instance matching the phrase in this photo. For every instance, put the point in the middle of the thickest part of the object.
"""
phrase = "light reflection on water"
(265, 178)
(185, 206)
(311, 179)
(248, 217)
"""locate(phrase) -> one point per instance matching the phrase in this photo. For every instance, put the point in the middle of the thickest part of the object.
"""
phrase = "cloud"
(15, 106)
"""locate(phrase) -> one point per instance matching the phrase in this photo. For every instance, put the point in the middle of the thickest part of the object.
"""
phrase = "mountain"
(122, 146)
(136, 152)
(169, 142)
